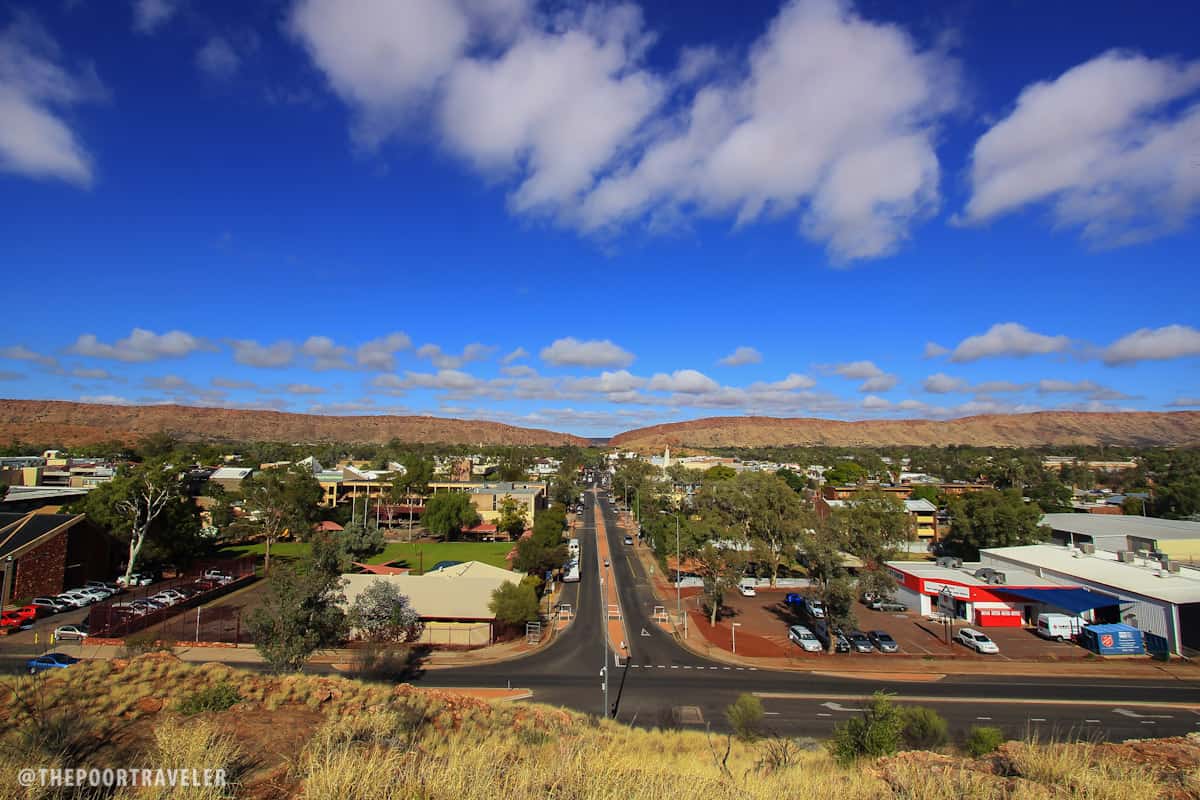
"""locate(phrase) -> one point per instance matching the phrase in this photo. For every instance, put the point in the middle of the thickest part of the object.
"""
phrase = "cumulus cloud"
(217, 58)
(565, 108)
(379, 354)
(448, 361)
(934, 350)
(941, 383)
(1184, 402)
(19, 352)
(92, 374)
(104, 399)
(149, 15)
(9, 375)
(253, 354)
(515, 355)
(35, 90)
(686, 381)
(1007, 339)
(572, 352)
(741, 356)
(605, 383)
(232, 383)
(1157, 344)
(873, 378)
(304, 388)
(1104, 146)
(325, 353)
(141, 345)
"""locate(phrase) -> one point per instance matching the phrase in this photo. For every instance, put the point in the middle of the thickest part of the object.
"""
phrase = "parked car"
(976, 641)
(803, 637)
(628, 540)
(860, 643)
(50, 661)
(104, 586)
(136, 579)
(746, 587)
(204, 585)
(29, 613)
(135, 609)
(9, 619)
(1059, 627)
(96, 595)
(76, 632)
(816, 609)
(52, 604)
(840, 643)
(869, 597)
(886, 604)
(805, 606)
(883, 642)
(70, 601)
(220, 576)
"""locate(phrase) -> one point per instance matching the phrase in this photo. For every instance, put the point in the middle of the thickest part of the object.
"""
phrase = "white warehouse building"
(1160, 600)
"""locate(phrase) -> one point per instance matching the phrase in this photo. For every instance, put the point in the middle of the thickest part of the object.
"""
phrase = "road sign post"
(946, 609)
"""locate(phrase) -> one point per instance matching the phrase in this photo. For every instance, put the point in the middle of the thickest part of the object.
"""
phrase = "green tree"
(871, 526)
(759, 508)
(512, 517)
(720, 567)
(824, 556)
(924, 728)
(926, 492)
(136, 505)
(447, 513)
(992, 518)
(1050, 493)
(300, 614)
(281, 501)
(157, 445)
(360, 540)
(845, 473)
(745, 715)
(548, 526)
(795, 482)
(537, 558)
(514, 604)
(381, 613)
(718, 473)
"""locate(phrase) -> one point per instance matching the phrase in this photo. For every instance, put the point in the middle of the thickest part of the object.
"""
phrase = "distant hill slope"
(1055, 428)
(48, 421)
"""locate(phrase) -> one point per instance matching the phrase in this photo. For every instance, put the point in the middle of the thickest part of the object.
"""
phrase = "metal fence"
(113, 619)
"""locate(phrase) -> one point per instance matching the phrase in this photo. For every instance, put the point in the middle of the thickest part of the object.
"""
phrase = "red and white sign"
(957, 591)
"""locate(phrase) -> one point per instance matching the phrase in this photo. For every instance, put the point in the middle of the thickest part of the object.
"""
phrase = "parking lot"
(766, 617)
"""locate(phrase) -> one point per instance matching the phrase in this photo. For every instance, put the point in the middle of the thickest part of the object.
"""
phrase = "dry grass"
(382, 741)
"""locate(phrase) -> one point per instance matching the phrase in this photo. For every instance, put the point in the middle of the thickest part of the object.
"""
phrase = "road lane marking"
(823, 714)
(1037, 719)
(674, 666)
(985, 719)
(1149, 722)
(771, 713)
(944, 699)
(1096, 721)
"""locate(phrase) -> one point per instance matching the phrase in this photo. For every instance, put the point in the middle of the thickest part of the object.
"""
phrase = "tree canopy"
(447, 513)
(992, 518)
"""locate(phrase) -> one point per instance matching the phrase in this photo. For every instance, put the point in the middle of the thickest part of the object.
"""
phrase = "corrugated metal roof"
(459, 592)
(1122, 525)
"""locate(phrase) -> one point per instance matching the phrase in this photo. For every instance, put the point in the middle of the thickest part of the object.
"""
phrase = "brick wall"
(40, 571)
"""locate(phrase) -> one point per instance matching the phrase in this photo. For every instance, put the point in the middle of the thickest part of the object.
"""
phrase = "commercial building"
(922, 513)
(487, 496)
(43, 554)
(1179, 540)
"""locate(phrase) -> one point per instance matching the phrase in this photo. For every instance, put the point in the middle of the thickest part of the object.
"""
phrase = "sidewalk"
(901, 669)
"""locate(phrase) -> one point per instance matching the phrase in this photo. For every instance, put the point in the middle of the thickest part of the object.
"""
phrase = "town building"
(1178, 540)
(486, 496)
(45, 553)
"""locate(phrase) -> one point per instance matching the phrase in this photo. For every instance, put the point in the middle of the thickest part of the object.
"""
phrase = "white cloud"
(1184, 402)
(554, 108)
(785, 140)
(1054, 385)
(573, 352)
(605, 383)
(217, 58)
(141, 345)
(873, 403)
(934, 350)
(1158, 344)
(232, 383)
(1007, 339)
(253, 354)
(563, 105)
(149, 15)
(741, 356)
(104, 399)
(1105, 145)
(515, 355)
(304, 388)
(379, 354)
(941, 383)
(9, 375)
(519, 371)
(992, 387)
(325, 353)
(448, 361)
(19, 352)
(685, 381)
(881, 383)
(792, 382)
(856, 370)
(35, 140)
(92, 374)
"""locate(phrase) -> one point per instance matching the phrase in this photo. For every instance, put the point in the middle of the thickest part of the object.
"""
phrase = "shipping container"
(1113, 640)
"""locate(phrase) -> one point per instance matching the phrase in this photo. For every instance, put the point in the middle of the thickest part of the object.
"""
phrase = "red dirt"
(748, 644)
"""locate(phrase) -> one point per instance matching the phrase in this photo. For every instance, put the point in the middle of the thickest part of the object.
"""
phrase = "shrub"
(983, 739)
(923, 728)
(745, 715)
(218, 697)
(876, 733)
(148, 641)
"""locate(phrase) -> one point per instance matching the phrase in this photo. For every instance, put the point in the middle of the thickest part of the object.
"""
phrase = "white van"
(1058, 626)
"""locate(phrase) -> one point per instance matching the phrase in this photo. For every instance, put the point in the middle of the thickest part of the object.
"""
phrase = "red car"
(9, 619)
(29, 613)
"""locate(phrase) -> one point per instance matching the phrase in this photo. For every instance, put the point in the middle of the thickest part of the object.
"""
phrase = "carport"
(1067, 598)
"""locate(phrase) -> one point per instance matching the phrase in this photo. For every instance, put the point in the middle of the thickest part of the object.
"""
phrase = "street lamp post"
(733, 626)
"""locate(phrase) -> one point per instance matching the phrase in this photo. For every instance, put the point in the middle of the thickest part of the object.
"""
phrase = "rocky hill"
(1052, 428)
(45, 422)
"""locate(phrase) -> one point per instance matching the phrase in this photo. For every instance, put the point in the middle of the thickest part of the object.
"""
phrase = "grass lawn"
(405, 555)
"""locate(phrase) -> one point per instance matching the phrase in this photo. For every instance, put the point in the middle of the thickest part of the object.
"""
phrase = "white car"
(65, 632)
(805, 639)
(977, 641)
(136, 579)
(747, 590)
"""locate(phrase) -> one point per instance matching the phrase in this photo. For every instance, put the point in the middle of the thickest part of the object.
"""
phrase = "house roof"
(22, 532)
(1122, 525)
(919, 505)
(461, 592)
(230, 474)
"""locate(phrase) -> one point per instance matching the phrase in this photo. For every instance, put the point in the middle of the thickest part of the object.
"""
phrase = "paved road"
(663, 680)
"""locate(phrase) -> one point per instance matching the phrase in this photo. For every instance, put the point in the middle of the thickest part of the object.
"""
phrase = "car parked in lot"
(30, 613)
(9, 619)
(50, 661)
(883, 642)
(859, 642)
(52, 604)
(105, 586)
(886, 604)
(72, 601)
(75, 632)
(746, 587)
(840, 643)
(977, 641)
(136, 579)
(218, 575)
(803, 637)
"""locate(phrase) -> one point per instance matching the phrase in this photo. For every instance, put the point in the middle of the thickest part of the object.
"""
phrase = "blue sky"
(590, 217)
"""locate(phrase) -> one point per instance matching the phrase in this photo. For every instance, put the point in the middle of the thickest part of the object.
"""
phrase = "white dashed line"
(985, 719)
(1037, 719)
(739, 669)
(660, 666)
(674, 666)
(1149, 722)
(823, 714)
(1096, 721)
(687, 666)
